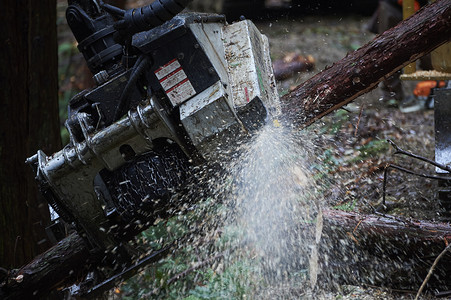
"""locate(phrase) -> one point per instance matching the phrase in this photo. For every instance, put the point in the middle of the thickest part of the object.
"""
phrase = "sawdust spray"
(275, 205)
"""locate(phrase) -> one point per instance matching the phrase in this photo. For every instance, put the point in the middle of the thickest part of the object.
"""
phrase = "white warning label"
(175, 82)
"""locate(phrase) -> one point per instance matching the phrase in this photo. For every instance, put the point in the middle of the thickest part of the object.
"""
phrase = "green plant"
(347, 206)
(339, 118)
(65, 52)
(235, 279)
(370, 150)
(235, 282)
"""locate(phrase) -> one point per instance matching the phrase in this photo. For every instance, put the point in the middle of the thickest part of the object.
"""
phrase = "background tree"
(118, 3)
(28, 122)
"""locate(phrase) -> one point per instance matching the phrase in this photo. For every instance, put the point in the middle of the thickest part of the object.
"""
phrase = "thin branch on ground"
(431, 270)
(398, 150)
(384, 185)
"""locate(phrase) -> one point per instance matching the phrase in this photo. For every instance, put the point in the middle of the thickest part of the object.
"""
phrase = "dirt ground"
(353, 141)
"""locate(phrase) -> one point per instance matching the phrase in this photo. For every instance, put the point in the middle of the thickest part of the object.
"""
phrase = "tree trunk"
(383, 250)
(28, 122)
(118, 3)
(361, 71)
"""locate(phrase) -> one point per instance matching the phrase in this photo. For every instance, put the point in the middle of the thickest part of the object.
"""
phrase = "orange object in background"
(416, 5)
(423, 88)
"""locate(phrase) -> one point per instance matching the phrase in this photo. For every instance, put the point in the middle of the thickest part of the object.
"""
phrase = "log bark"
(61, 264)
(383, 250)
(361, 71)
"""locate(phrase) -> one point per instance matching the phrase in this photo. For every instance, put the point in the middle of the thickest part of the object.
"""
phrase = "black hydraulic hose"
(149, 16)
(116, 11)
(124, 101)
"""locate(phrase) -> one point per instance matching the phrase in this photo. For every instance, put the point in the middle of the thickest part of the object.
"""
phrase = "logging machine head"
(171, 89)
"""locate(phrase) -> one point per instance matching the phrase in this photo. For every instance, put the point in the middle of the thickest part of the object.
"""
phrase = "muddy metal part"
(205, 82)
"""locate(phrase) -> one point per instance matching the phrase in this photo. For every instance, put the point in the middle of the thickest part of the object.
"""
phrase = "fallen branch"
(390, 166)
(431, 271)
(398, 150)
(291, 64)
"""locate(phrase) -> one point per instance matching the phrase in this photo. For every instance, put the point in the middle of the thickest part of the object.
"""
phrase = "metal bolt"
(19, 278)
(101, 77)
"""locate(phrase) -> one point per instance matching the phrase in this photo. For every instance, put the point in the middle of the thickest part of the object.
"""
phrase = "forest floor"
(353, 141)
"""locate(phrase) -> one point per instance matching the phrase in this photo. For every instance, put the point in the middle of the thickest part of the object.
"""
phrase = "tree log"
(291, 64)
(383, 250)
(59, 265)
(361, 71)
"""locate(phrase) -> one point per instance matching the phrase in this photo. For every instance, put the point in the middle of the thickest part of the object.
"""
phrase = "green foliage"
(65, 52)
(63, 101)
(233, 279)
(328, 162)
(152, 282)
(66, 48)
(339, 118)
(235, 282)
(370, 150)
(347, 206)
